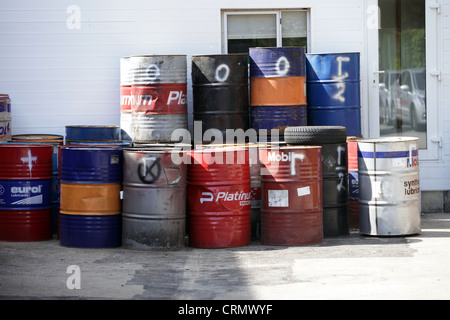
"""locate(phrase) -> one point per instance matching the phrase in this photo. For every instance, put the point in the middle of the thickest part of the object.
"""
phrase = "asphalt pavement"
(353, 267)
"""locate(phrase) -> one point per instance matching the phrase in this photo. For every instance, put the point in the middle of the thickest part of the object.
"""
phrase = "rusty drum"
(291, 212)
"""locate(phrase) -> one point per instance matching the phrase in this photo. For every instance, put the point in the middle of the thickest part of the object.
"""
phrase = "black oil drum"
(220, 92)
(333, 140)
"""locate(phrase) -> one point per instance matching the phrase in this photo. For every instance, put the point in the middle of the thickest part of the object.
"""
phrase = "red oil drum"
(353, 182)
(26, 192)
(291, 193)
(219, 196)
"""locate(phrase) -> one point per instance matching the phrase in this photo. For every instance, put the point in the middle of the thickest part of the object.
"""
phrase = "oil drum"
(90, 208)
(353, 182)
(218, 197)
(220, 92)
(389, 188)
(333, 90)
(126, 99)
(333, 140)
(159, 105)
(79, 133)
(5, 117)
(291, 188)
(26, 192)
(56, 141)
(154, 199)
(277, 88)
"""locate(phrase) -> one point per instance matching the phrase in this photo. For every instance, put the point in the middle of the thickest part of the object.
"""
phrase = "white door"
(403, 42)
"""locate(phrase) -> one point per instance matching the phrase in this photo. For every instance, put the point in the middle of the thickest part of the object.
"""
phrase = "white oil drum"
(389, 190)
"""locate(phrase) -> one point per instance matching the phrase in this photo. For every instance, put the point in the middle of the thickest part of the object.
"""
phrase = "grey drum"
(154, 199)
(148, 69)
(389, 192)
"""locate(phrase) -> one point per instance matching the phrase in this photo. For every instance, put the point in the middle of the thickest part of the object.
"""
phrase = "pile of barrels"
(152, 185)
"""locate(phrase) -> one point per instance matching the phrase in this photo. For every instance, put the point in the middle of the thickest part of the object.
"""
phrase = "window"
(275, 28)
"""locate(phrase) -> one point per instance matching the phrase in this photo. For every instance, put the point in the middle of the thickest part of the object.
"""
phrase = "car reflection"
(402, 98)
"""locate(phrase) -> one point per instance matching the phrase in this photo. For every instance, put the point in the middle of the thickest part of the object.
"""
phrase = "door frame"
(434, 104)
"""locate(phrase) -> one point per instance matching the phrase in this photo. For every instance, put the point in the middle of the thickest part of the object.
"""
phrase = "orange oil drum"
(90, 199)
(281, 91)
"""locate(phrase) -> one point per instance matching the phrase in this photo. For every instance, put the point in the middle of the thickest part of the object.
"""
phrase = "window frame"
(278, 16)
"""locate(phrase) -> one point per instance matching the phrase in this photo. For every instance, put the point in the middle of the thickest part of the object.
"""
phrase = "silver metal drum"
(158, 128)
(389, 191)
(147, 69)
(154, 199)
(158, 92)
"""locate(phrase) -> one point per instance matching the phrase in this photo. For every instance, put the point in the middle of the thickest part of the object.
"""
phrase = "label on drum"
(278, 198)
(169, 99)
(21, 194)
(303, 191)
(114, 159)
(219, 198)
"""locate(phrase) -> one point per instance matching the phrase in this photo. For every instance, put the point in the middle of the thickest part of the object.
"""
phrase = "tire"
(313, 135)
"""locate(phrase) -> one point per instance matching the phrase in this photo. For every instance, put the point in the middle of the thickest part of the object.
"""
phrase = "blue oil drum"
(277, 88)
(87, 132)
(277, 62)
(100, 143)
(87, 164)
(333, 90)
(278, 117)
(83, 231)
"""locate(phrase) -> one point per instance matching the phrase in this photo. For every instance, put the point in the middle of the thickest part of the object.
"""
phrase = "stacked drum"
(277, 84)
(333, 91)
(154, 199)
(159, 105)
(91, 181)
(5, 117)
(333, 140)
(220, 93)
(126, 99)
(25, 192)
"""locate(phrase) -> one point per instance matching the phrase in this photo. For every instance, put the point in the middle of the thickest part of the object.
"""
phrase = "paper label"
(278, 198)
(303, 191)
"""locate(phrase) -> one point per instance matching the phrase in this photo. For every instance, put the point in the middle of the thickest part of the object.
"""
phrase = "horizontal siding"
(58, 76)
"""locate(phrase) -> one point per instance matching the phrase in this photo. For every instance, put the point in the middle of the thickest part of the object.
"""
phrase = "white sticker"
(303, 191)
(399, 162)
(278, 198)
(114, 159)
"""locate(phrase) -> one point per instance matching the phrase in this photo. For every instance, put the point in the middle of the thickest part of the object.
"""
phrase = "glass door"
(403, 87)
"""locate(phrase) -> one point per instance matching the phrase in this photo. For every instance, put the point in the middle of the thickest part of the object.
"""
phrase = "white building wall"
(57, 75)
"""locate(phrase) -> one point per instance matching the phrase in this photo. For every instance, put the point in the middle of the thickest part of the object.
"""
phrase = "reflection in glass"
(402, 58)
(251, 30)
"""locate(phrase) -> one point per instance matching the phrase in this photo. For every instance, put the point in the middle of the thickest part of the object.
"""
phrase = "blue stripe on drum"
(388, 154)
